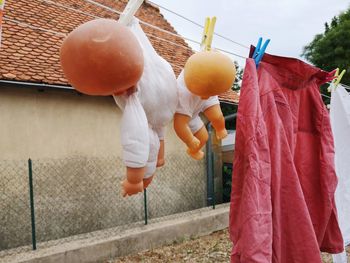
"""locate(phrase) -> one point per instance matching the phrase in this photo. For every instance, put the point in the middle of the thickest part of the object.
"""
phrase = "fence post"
(210, 169)
(31, 195)
(145, 205)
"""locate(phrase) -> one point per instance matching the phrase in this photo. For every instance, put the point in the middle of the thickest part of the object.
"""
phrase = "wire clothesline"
(158, 28)
(117, 12)
(197, 24)
(64, 35)
(142, 22)
(54, 32)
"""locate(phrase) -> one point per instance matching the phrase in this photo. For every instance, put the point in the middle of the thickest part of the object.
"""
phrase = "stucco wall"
(55, 124)
(74, 143)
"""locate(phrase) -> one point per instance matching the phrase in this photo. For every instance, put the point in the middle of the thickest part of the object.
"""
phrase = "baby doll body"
(188, 125)
(146, 112)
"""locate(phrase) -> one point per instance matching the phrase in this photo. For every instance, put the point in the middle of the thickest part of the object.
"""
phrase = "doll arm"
(183, 131)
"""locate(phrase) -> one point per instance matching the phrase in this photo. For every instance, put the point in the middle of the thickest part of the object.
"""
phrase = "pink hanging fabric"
(283, 183)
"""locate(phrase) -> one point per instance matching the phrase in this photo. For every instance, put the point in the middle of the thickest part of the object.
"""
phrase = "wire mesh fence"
(74, 196)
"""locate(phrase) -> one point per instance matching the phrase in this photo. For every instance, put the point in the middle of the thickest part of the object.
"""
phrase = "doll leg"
(216, 118)
(153, 157)
(133, 183)
(147, 181)
(183, 131)
(161, 160)
(202, 136)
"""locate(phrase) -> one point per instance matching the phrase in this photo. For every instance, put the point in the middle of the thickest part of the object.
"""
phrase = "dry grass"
(213, 248)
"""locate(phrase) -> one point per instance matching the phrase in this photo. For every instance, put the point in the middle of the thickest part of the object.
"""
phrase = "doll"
(206, 74)
(155, 95)
(105, 57)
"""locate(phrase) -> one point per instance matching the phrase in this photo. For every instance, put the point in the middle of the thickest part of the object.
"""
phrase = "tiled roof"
(32, 55)
(229, 96)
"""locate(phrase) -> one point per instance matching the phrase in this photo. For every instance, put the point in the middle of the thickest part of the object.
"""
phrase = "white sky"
(290, 24)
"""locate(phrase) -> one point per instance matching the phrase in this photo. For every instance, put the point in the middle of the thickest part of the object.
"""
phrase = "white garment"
(154, 145)
(195, 124)
(340, 121)
(157, 94)
(135, 144)
(191, 105)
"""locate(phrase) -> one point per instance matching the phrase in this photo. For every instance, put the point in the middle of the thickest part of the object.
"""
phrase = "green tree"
(239, 76)
(228, 109)
(331, 49)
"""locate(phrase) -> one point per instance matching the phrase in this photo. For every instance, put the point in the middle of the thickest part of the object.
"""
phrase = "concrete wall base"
(198, 223)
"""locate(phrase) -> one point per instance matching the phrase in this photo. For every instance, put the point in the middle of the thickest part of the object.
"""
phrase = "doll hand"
(221, 134)
(131, 189)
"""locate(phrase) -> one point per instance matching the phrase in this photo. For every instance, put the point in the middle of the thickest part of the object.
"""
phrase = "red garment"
(283, 183)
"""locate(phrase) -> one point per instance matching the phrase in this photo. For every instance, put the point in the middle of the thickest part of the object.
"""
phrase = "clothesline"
(53, 32)
(197, 24)
(64, 35)
(156, 27)
(147, 24)
(115, 11)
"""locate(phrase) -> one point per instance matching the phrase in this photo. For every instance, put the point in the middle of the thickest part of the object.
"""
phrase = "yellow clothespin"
(335, 82)
(338, 79)
(208, 33)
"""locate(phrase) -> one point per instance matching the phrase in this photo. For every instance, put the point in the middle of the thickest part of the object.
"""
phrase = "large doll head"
(209, 73)
(102, 57)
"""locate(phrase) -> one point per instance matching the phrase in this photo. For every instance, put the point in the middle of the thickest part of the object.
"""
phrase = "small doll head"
(209, 73)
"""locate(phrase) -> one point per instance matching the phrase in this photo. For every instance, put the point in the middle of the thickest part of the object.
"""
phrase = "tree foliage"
(331, 49)
(227, 108)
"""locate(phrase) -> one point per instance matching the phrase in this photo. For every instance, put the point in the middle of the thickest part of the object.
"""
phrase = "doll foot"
(198, 155)
(147, 181)
(194, 144)
(131, 189)
(221, 134)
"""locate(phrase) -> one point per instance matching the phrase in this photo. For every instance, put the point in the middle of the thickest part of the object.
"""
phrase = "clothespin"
(2, 4)
(260, 51)
(339, 77)
(208, 33)
(129, 11)
(336, 79)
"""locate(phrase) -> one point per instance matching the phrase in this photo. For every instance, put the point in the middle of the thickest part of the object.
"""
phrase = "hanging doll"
(105, 57)
(156, 94)
(206, 74)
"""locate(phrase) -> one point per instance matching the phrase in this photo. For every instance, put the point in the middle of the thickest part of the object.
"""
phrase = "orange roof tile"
(229, 96)
(32, 55)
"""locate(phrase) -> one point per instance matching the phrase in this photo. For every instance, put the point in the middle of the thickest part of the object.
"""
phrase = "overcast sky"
(290, 24)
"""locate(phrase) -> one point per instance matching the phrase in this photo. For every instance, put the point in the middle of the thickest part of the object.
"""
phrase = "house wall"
(73, 141)
(56, 124)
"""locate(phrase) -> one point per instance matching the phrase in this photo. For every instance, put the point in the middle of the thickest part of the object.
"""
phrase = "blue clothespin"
(260, 51)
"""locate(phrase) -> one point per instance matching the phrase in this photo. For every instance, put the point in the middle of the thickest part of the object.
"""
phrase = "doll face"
(102, 57)
(209, 73)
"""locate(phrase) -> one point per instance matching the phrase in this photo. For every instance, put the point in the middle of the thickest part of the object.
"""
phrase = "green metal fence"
(53, 199)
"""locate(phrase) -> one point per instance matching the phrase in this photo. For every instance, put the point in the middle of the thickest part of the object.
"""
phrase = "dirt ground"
(213, 248)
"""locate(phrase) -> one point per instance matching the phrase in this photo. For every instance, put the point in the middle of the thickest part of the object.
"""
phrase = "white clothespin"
(129, 11)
